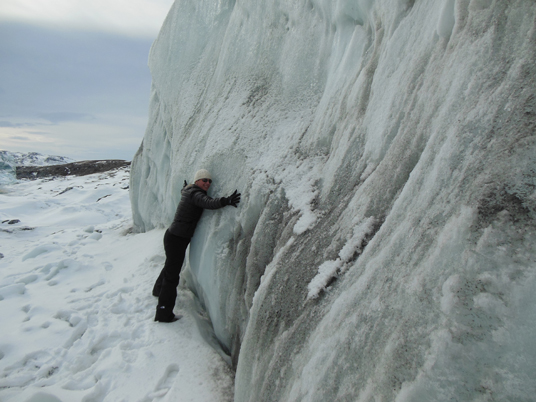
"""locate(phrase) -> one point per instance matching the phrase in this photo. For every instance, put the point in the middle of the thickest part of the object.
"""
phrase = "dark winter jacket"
(193, 201)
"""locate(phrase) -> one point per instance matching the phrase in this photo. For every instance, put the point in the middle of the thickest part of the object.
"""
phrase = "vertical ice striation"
(385, 247)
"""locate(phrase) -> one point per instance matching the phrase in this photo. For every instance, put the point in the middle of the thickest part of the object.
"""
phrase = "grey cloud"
(19, 137)
(58, 117)
(15, 125)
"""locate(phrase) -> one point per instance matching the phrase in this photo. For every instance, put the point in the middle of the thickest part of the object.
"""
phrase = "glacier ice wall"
(385, 246)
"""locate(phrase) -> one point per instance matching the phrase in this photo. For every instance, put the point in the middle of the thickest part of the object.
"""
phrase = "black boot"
(165, 314)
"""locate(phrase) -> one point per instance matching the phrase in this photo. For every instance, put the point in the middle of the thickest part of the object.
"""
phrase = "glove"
(233, 199)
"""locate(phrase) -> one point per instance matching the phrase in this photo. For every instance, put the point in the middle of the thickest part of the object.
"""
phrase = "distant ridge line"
(80, 168)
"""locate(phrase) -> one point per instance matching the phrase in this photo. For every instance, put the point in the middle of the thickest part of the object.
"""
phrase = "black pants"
(165, 286)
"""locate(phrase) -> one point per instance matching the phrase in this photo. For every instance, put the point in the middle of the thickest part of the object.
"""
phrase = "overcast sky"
(74, 79)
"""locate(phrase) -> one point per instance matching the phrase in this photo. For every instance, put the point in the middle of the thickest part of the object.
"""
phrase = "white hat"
(202, 174)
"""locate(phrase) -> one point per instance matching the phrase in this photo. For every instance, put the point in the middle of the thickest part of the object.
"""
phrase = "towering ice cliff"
(385, 246)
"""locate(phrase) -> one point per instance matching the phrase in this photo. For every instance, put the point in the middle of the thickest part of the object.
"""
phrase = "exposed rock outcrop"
(81, 168)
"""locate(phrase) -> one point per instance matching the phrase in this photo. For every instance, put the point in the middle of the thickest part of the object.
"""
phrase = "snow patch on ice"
(300, 184)
(327, 271)
(331, 269)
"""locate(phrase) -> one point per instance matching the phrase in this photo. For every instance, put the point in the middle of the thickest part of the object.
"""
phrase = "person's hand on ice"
(233, 199)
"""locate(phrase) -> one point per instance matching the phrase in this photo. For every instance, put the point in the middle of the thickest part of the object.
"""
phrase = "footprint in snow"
(53, 269)
(16, 289)
(43, 397)
(37, 251)
(28, 279)
(95, 285)
(165, 383)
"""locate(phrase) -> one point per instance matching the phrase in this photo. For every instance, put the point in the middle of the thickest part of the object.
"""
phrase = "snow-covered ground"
(76, 305)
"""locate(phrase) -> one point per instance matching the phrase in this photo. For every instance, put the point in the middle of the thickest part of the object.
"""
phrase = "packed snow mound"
(385, 245)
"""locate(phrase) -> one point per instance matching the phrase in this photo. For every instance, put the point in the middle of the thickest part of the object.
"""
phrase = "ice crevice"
(384, 245)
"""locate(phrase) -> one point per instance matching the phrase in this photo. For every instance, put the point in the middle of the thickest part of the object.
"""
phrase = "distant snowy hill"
(9, 160)
(32, 159)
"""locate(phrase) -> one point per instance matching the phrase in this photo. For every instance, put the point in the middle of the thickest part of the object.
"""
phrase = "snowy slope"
(385, 245)
(76, 305)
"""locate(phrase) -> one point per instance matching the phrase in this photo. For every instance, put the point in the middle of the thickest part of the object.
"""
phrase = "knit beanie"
(202, 174)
